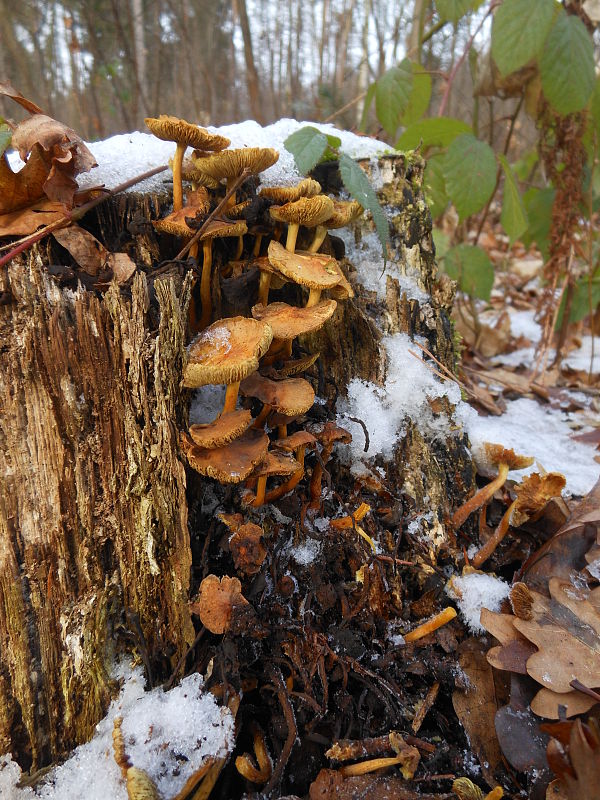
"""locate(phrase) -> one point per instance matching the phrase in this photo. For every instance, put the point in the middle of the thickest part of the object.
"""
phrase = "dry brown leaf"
(62, 142)
(122, 266)
(28, 220)
(476, 707)
(8, 90)
(329, 783)
(87, 251)
(579, 774)
(551, 705)
(23, 188)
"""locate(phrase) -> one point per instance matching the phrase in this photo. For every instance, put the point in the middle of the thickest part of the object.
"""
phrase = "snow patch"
(475, 591)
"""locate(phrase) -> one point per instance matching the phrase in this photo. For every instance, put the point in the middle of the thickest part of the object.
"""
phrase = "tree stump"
(95, 550)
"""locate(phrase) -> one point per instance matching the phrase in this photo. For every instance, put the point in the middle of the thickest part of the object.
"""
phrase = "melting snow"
(475, 591)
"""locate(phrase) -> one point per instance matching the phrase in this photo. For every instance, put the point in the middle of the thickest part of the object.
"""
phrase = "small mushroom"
(287, 322)
(532, 496)
(344, 212)
(273, 463)
(223, 430)
(307, 211)
(184, 134)
(247, 548)
(230, 164)
(225, 353)
(328, 435)
(495, 455)
(216, 602)
(296, 444)
(291, 396)
(244, 764)
(307, 187)
(315, 272)
(233, 462)
(292, 367)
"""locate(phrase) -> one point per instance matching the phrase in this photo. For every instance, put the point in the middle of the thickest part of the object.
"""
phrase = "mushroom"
(307, 211)
(225, 353)
(216, 602)
(223, 430)
(273, 464)
(287, 322)
(531, 498)
(307, 187)
(292, 396)
(270, 278)
(184, 134)
(297, 444)
(247, 548)
(505, 460)
(246, 767)
(328, 435)
(344, 212)
(216, 229)
(290, 368)
(229, 164)
(316, 272)
(232, 463)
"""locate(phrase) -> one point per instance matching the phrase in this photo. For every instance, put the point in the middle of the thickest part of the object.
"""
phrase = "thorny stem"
(76, 214)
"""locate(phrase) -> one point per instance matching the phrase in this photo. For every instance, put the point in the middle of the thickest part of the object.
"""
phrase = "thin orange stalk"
(431, 625)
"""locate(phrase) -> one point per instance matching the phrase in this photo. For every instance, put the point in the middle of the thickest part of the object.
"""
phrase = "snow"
(474, 591)
(409, 386)
(580, 360)
(532, 429)
(207, 403)
(127, 155)
(170, 735)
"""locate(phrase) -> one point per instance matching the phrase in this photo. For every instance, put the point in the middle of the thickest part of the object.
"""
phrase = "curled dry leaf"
(28, 220)
(248, 549)
(8, 90)
(216, 602)
(578, 771)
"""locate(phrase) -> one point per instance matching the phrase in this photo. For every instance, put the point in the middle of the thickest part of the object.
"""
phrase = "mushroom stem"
(281, 431)
(362, 768)
(239, 248)
(232, 198)
(262, 417)
(492, 543)
(177, 182)
(264, 284)
(313, 298)
(320, 234)
(231, 396)
(257, 244)
(431, 625)
(317, 475)
(205, 294)
(292, 482)
(292, 235)
(261, 488)
(481, 497)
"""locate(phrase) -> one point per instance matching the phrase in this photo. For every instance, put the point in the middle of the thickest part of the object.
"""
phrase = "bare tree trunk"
(252, 81)
(139, 54)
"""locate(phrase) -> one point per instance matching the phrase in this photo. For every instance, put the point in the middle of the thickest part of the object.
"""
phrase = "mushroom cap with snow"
(227, 351)
(173, 129)
(287, 321)
(307, 269)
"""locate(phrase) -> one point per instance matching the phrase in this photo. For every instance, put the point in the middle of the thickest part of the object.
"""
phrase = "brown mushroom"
(231, 463)
(344, 212)
(291, 396)
(307, 211)
(297, 444)
(184, 134)
(272, 464)
(505, 460)
(290, 368)
(230, 164)
(225, 353)
(216, 602)
(287, 322)
(532, 496)
(307, 187)
(315, 272)
(223, 430)
(247, 548)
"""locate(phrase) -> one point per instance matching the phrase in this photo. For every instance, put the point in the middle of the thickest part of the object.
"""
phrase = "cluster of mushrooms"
(252, 356)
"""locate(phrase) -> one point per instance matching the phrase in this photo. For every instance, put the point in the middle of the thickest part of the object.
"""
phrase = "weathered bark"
(93, 511)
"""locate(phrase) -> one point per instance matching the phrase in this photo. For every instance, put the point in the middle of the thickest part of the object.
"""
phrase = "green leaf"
(586, 298)
(357, 183)
(514, 217)
(5, 137)
(519, 30)
(391, 95)
(595, 106)
(418, 102)
(453, 10)
(470, 174)
(441, 241)
(369, 97)
(567, 65)
(439, 131)
(307, 145)
(434, 186)
(538, 205)
(471, 267)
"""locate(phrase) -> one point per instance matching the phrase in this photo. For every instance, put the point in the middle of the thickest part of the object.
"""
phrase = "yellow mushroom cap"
(291, 396)
(534, 492)
(232, 463)
(492, 455)
(311, 270)
(231, 163)
(287, 321)
(275, 463)
(287, 194)
(227, 351)
(307, 211)
(216, 601)
(173, 129)
(344, 212)
(291, 367)
(296, 440)
(223, 430)
(221, 228)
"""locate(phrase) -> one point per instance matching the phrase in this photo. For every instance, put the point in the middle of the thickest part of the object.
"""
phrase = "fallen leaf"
(21, 189)
(62, 142)
(87, 251)
(28, 220)
(8, 90)
(579, 774)
(122, 266)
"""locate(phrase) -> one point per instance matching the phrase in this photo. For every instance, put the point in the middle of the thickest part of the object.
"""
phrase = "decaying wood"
(94, 542)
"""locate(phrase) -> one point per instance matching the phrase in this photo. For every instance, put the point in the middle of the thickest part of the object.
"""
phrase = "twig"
(76, 214)
(292, 730)
(196, 237)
